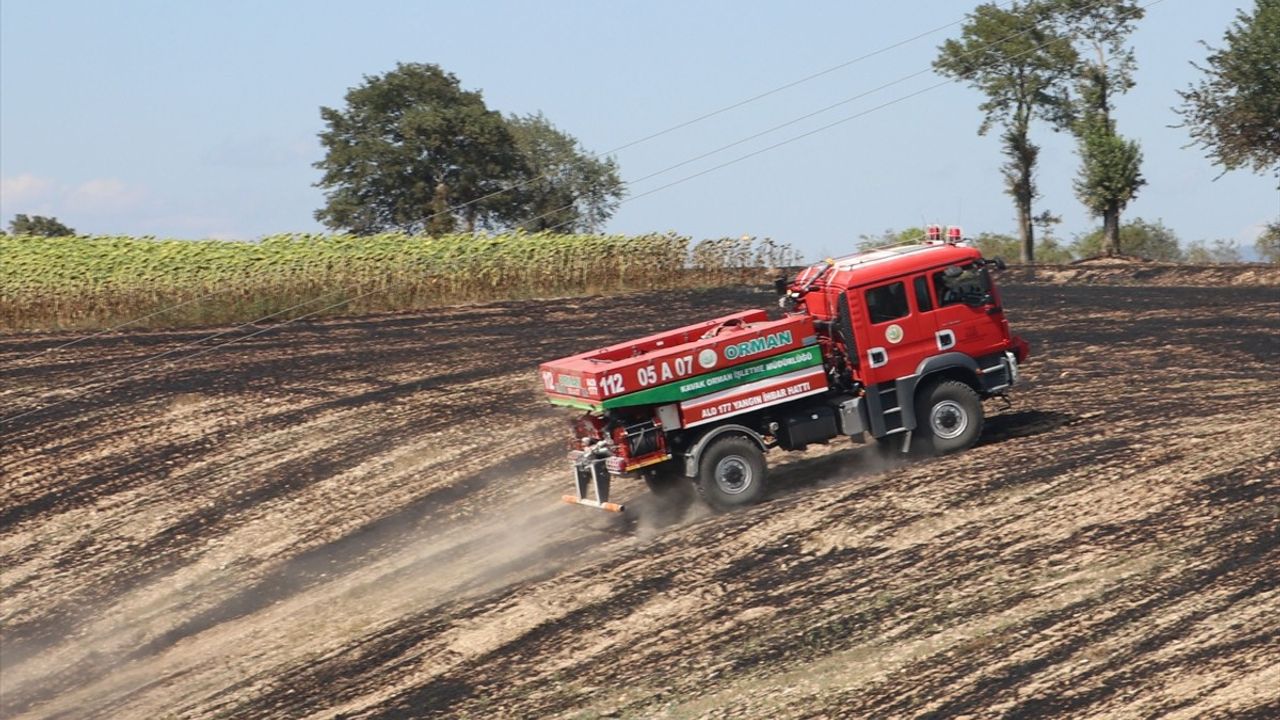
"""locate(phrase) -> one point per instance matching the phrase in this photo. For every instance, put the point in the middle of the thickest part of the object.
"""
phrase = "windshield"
(962, 284)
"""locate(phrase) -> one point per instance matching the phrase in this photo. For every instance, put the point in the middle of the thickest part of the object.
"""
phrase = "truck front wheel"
(731, 473)
(948, 417)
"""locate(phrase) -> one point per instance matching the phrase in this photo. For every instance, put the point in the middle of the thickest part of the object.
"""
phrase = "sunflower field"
(93, 282)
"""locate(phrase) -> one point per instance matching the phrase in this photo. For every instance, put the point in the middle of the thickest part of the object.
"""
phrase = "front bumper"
(1021, 348)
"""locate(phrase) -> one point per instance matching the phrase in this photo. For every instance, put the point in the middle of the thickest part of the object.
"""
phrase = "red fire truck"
(901, 343)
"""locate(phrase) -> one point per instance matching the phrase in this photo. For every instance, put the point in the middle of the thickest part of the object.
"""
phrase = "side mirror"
(999, 263)
(780, 286)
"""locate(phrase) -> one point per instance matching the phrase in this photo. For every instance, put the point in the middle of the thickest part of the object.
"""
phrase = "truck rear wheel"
(731, 473)
(948, 417)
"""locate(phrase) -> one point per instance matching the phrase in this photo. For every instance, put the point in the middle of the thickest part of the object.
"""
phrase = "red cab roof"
(874, 266)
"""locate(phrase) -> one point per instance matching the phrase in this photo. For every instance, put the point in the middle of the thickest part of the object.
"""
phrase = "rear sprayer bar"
(590, 472)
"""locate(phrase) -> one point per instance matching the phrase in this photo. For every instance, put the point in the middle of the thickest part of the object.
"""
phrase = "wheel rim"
(733, 474)
(948, 419)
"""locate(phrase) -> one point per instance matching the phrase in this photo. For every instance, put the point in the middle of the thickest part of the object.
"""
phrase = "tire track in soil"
(435, 400)
(341, 532)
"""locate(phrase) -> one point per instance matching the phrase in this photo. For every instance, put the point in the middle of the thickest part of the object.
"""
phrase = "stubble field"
(359, 517)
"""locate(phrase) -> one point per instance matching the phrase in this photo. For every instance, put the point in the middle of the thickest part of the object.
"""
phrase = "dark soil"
(360, 518)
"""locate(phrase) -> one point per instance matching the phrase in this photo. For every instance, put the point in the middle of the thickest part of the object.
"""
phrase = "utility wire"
(544, 176)
(191, 344)
(126, 323)
(719, 111)
(806, 116)
(673, 183)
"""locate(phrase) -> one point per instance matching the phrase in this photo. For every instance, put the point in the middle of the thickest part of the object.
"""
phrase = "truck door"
(968, 317)
(897, 337)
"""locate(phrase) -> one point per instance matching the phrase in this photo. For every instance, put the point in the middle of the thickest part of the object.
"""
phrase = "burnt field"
(359, 518)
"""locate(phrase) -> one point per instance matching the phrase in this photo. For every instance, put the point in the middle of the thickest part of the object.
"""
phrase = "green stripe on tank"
(580, 404)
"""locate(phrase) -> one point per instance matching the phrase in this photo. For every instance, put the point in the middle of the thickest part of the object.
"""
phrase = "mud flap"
(592, 474)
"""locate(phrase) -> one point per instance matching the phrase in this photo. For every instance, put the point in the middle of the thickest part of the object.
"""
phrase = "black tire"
(948, 417)
(731, 473)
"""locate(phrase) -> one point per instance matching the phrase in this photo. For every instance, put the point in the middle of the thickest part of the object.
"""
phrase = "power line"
(113, 328)
(624, 146)
(673, 183)
(806, 116)
(193, 343)
(718, 111)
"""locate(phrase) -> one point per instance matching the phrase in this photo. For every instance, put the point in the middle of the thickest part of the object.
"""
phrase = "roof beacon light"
(953, 234)
(933, 233)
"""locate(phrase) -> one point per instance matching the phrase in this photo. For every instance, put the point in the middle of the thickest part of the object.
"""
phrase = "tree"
(890, 237)
(1110, 165)
(1006, 247)
(1150, 240)
(407, 143)
(1233, 113)
(1048, 248)
(1019, 60)
(441, 220)
(1268, 243)
(565, 187)
(1221, 251)
(992, 245)
(39, 226)
(1225, 251)
(1110, 175)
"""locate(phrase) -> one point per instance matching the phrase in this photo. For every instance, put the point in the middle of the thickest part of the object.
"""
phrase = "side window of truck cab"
(887, 302)
(896, 339)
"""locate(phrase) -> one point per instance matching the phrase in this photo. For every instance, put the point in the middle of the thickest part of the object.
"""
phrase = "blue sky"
(194, 120)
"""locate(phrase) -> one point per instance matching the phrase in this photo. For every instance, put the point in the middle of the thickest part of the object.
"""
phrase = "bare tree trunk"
(1111, 212)
(1019, 175)
(440, 221)
(1026, 231)
(1111, 230)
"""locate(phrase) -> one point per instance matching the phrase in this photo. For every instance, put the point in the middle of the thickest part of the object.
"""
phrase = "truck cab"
(914, 313)
(899, 344)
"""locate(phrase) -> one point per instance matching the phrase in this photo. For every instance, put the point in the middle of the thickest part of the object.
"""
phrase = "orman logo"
(893, 334)
(707, 358)
(757, 345)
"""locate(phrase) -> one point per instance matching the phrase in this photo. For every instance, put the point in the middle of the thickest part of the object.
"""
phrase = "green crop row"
(90, 282)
